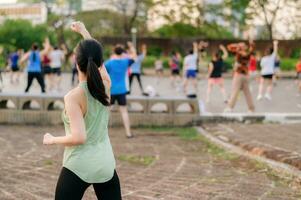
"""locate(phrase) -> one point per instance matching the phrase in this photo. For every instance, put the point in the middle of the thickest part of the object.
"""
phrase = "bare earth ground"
(157, 164)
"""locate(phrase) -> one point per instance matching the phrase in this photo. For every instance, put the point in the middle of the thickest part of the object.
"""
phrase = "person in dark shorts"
(267, 65)
(276, 70)
(14, 66)
(34, 70)
(136, 69)
(158, 68)
(47, 72)
(57, 57)
(216, 67)
(117, 68)
(174, 64)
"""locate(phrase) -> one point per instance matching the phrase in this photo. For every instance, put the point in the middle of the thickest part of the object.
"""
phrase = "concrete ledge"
(38, 117)
(248, 118)
(286, 166)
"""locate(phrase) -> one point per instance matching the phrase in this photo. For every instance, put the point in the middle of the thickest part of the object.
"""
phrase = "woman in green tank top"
(88, 156)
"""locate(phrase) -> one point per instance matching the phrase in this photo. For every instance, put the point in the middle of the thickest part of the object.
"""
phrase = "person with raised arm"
(117, 67)
(34, 69)
(267, 65)
(190, 67)
(215, 71)
(241, 74)
(136, 68)
(88, 156)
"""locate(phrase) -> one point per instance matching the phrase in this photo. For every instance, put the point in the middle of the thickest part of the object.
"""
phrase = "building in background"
(36, 13)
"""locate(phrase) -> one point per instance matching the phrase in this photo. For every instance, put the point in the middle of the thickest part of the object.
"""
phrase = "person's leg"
(18, 74)
(40, 78)
(30, 77)
(247, 93)
(121, 100)
(269, 87)
(70, 186)
(209, 88)
(140, 83)
(109, 190)
(195, 83)
(59, 79)
(223, 91)
(185, 84)
(236, 87)
(12, 76)
(131, 81)
(126, 120)
(260, 89)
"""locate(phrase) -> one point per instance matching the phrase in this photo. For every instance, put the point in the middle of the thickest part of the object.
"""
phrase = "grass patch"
(48, 162)
(137, 159)
(191, 134)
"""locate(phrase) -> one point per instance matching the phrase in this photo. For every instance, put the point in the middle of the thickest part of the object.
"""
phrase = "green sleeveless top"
(94, 160)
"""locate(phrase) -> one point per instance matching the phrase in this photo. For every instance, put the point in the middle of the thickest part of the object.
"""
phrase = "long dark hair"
(34, 48)
(89, 58)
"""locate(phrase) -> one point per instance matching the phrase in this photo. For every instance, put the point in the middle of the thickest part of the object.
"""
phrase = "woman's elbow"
(79, 140)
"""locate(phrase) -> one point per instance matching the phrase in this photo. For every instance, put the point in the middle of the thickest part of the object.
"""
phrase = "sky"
(7, 1)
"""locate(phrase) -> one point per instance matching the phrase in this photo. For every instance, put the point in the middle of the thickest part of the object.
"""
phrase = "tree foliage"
(133, 12)
(207, 30)
(21, 34)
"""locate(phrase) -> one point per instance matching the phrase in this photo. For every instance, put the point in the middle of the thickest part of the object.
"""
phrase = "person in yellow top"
(88, 156)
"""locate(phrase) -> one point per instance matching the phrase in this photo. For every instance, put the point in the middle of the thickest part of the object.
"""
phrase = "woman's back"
(34, 62)
(217, 68)
(92, 161)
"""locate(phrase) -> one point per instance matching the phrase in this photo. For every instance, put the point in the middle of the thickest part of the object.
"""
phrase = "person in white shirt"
(57, 57)
(267, 72)
(190, 67)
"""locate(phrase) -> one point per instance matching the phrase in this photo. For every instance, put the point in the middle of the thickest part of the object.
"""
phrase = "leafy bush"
(288, 64)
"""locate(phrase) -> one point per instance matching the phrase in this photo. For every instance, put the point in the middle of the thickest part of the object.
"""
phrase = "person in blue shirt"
(117, 68)
(136, 68)
(34, 70)
(14, 66)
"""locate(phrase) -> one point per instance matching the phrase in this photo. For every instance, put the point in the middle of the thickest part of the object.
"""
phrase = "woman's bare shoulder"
(74, 95)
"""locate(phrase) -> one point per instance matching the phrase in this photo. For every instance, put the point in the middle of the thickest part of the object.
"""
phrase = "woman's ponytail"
(95, 84)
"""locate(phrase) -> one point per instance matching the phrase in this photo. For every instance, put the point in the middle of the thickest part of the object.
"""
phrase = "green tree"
(207, 30)
(21, 34)
(134, 12)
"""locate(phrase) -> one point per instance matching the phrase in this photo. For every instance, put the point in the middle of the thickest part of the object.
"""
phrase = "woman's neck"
(82, 77)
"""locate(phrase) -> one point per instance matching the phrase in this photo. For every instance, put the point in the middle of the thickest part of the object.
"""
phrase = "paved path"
(280, 142)
(284, 95)
(181, 170)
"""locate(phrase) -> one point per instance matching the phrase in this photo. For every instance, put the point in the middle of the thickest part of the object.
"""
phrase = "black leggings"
(39, 77)
(71, 187)
(138, 78)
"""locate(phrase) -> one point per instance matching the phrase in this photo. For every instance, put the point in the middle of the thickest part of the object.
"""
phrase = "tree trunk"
(270, 31)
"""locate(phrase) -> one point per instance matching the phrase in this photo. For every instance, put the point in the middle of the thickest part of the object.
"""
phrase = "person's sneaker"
(130, 136)
(259, 97)
(227, 110)
(268, 97)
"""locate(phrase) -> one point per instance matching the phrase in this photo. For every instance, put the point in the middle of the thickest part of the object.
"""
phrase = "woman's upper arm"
(76, 116)
(24, 57)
